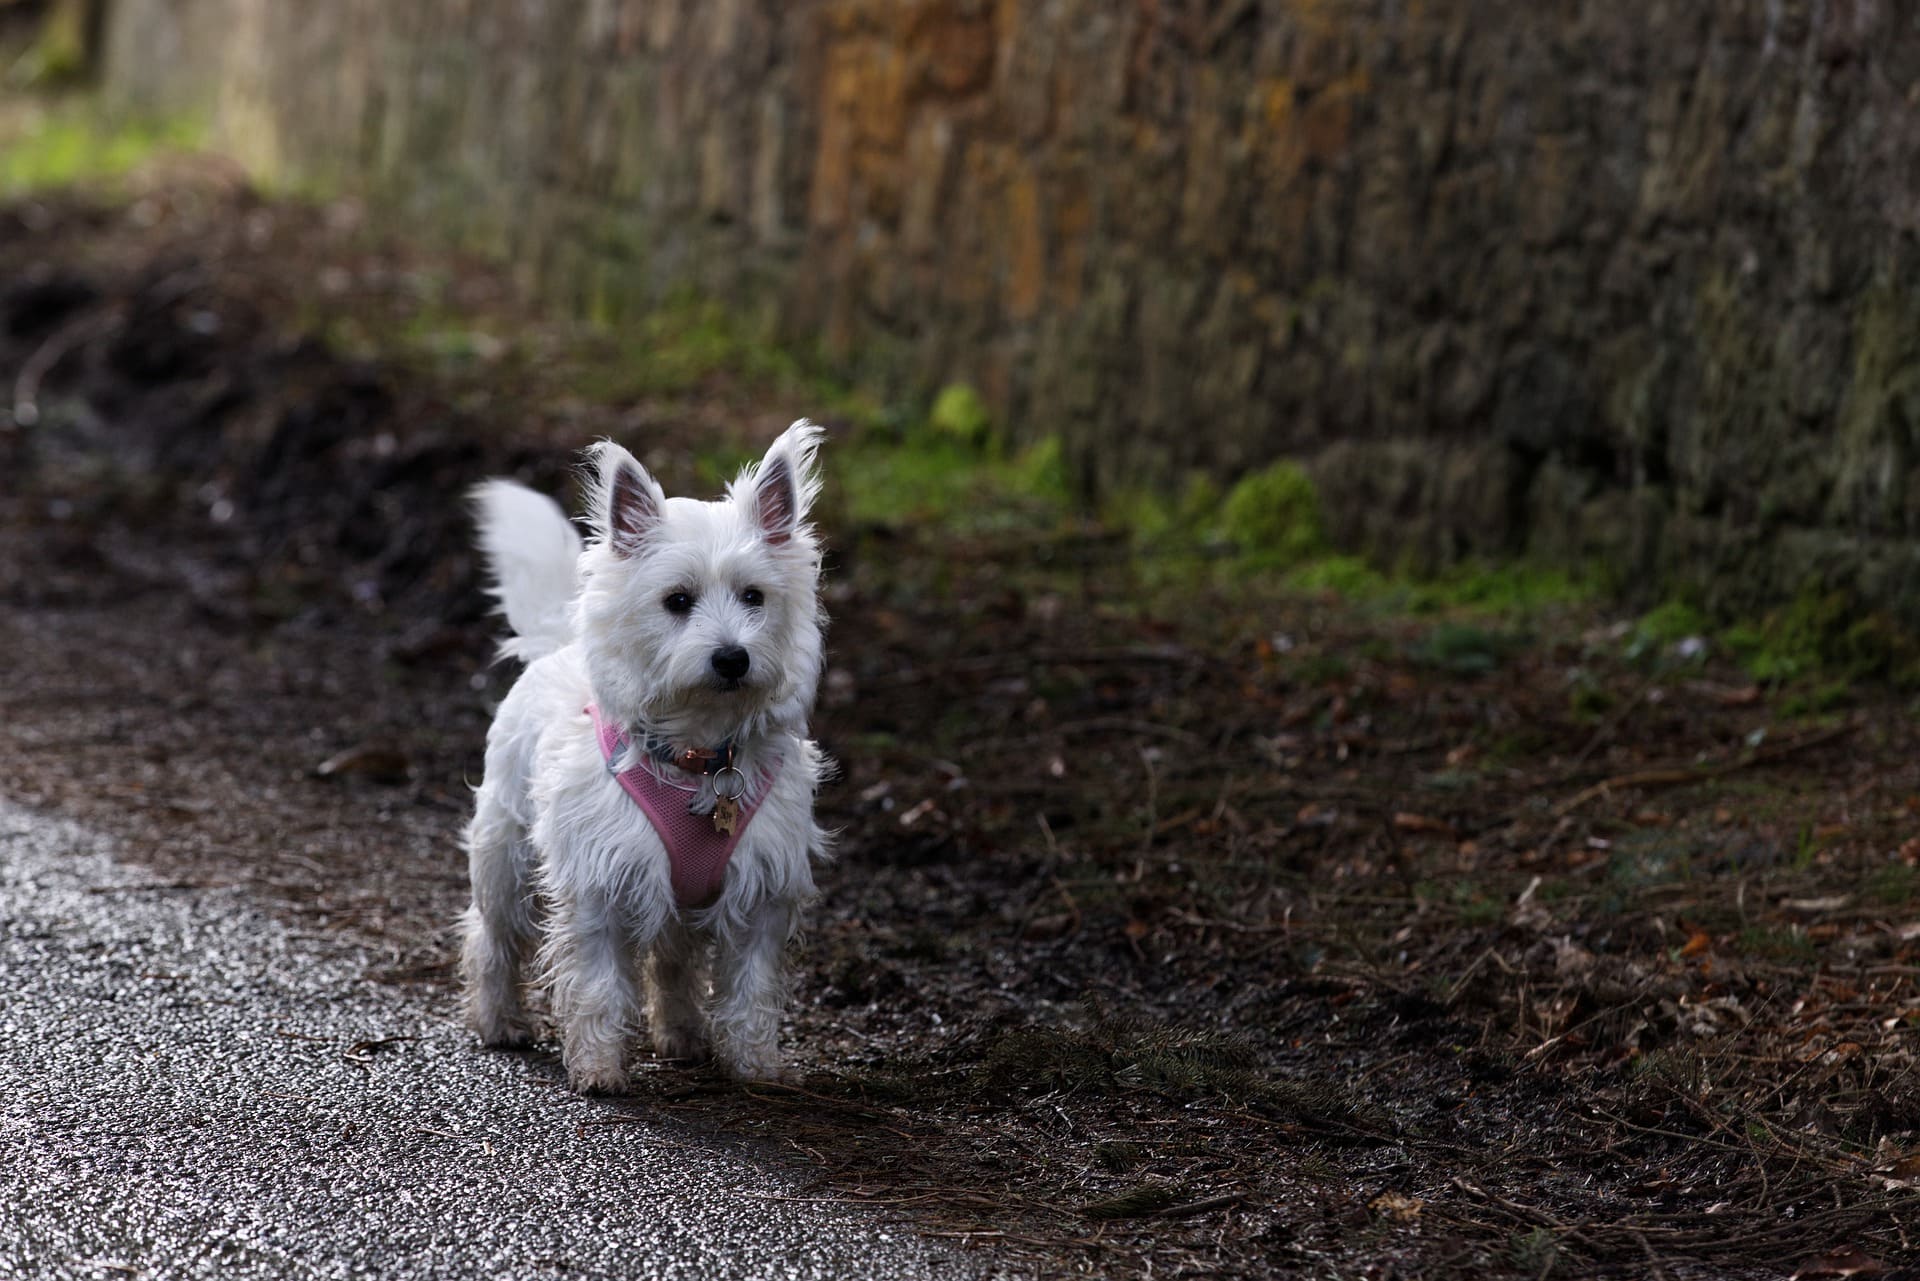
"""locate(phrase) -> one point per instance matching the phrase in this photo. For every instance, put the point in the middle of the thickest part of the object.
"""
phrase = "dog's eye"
(679, 603)
(753, 598)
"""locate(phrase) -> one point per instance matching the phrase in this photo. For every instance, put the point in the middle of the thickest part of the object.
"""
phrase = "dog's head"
(702, 619)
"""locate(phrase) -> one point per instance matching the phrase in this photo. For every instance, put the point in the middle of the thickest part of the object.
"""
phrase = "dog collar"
(692, 760)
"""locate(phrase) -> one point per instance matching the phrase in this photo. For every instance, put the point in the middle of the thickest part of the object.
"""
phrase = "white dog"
(648, 800)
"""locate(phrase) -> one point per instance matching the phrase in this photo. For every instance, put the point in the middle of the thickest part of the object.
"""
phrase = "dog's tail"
(531, 549)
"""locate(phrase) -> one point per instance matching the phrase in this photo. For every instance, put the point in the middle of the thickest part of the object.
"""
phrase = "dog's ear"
(627, 502)
(781, 489)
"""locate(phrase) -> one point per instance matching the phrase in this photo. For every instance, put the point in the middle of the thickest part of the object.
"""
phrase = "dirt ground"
(1181, 925)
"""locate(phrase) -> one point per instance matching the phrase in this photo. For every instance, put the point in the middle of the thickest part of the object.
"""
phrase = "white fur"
(569, 876)
(531, 548)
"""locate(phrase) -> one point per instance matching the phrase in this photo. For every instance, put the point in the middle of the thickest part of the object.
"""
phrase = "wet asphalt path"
(187, 1089)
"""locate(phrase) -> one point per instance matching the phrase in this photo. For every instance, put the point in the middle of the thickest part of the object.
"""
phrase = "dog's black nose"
(731, 662)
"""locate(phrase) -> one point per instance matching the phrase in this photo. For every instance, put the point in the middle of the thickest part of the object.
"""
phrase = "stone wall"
(1621, 283)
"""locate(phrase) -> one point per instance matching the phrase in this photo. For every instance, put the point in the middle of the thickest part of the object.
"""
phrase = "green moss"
(1348, 577)
(1825, 634)
(1273, 516)
(945, 467)
(68, 145)
(1514, 589)
(1179, 525)
(1673, 621)
(1508, 588)
(959, 414)
(685, 344)
(1040, 471)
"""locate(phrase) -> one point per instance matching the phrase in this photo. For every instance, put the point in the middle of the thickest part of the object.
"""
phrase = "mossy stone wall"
(1631, 286)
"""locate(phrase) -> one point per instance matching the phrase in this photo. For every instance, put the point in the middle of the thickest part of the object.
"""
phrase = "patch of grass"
(1534, 1253)
(1648, 858)
(62, 146)
(1892, 885)
(1675, 631)
(1816, 696)
(1114, 1055)
(1052, 1058)
(1806, 849)
(1588, 697)
(1467, 898)
(1463, 649)
(1324, 668)
(1136, 1202)
(685, 344)
(1776, 943)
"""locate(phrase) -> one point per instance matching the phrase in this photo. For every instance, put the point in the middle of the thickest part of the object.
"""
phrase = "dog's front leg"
(750, 991)
(676, 979)
(591, 967)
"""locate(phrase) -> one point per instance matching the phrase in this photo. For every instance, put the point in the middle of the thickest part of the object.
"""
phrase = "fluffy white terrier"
(693, 632)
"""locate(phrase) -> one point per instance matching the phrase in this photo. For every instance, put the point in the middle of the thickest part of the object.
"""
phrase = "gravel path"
(191, 1089)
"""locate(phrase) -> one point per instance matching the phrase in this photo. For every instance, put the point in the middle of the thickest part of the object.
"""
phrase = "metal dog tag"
(729, 784)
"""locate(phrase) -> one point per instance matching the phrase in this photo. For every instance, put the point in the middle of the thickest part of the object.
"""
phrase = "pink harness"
(697, 852)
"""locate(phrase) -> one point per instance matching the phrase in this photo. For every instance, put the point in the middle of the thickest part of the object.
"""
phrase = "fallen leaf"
(1314, 814)
(1397, 1206)
(1053, 926)
(380, 762)
(1407, 822)
(1696, 944)
(1903, 1173)
(1846, 1262)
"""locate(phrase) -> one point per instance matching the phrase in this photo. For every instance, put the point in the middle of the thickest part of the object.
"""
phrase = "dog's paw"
(760, 1069)
(505, 1035)
(598, 1080)
(685, 1044)
(502, 1033)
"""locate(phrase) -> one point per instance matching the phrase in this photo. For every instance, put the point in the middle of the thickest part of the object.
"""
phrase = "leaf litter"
(1152, 945)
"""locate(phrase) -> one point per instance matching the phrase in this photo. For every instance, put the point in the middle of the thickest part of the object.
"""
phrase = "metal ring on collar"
(729, 784)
